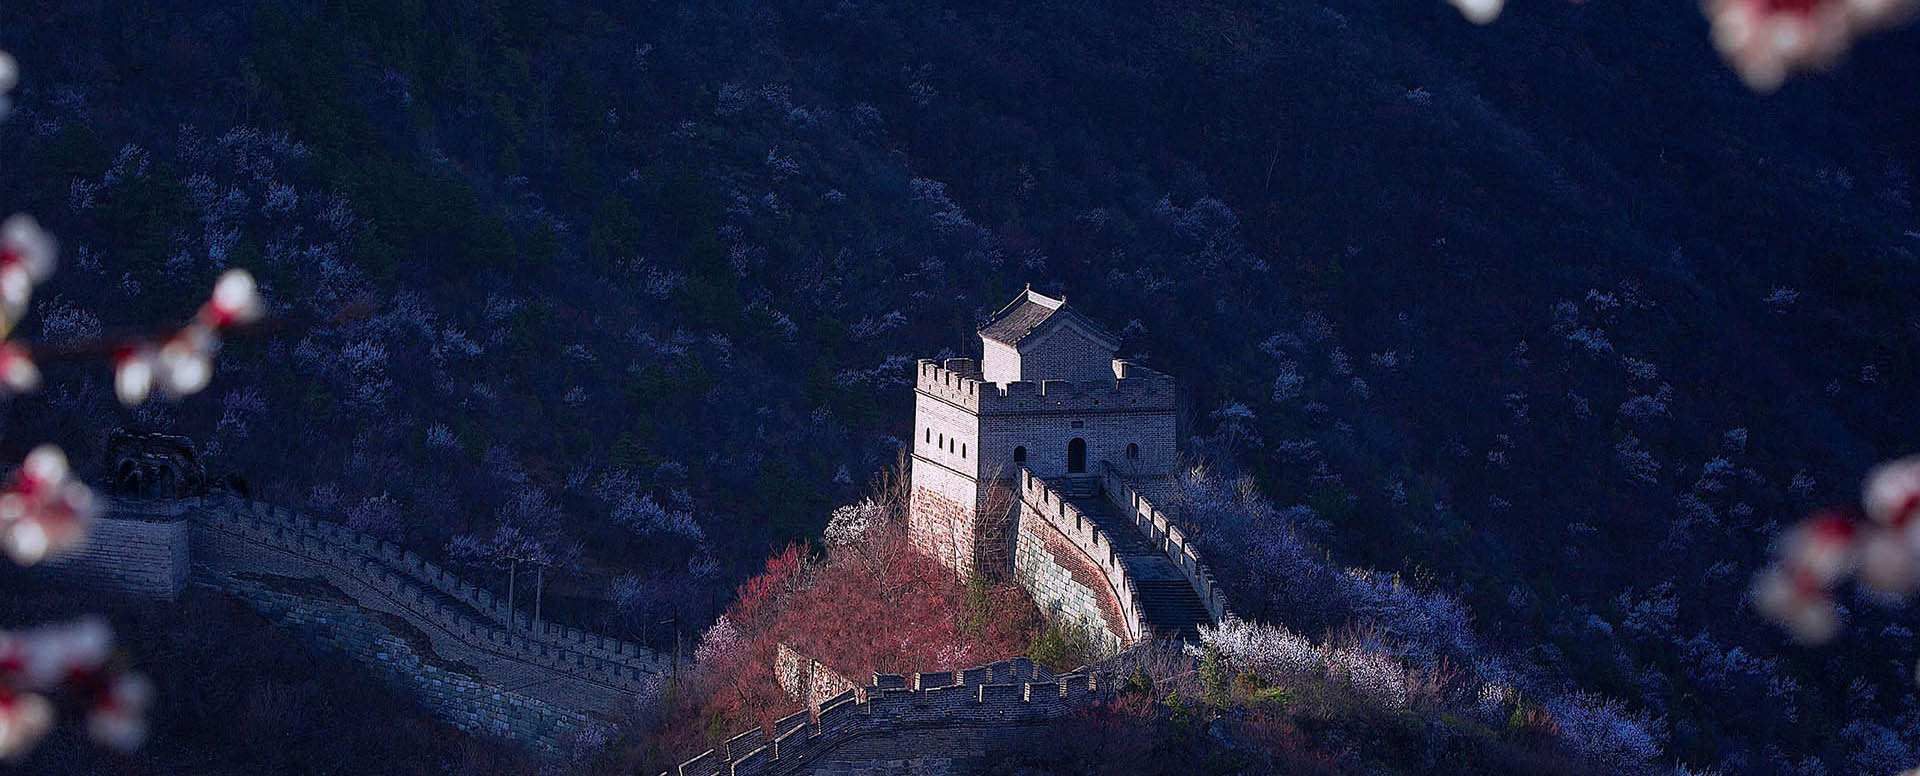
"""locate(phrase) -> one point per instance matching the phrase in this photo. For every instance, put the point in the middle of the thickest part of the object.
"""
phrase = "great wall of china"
(418, 625)
(1129, 575)
(423, 629)
(1086, 541)
(942, 722)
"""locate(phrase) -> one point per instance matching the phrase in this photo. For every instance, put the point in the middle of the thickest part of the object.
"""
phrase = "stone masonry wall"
(1046, 437)
(563, 679)
(806, 679)
(468, 670)
(945, 433)
(966, 432)
(1063, 352)
(1068, 565)
(1159, 530)
(461, 700)
(999, 362)
(130, 550)
(1129, 387)
(938, 722)
(1064, 582)
(942, 528)
(238, 536)
(945, 496)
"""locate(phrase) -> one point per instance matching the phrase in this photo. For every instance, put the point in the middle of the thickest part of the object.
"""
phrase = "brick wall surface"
(945, 434)
(808, 680)
(1065, 583)
(461, 700)
(1047, 436)
(942, 528)
(254, 538)
(129, 552)
(567, 678)
(966, 434)
(1136, 502)
(999, 362)
(1063, 351)
(1064, 539)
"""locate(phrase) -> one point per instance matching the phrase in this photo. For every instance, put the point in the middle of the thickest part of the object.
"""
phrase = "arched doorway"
(1077, 456)
(1020, 454)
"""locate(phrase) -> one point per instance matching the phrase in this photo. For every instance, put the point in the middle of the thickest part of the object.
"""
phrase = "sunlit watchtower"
(1046, 394)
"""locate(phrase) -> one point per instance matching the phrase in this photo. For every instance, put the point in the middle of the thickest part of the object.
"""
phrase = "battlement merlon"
(956, 383)
(1133, 388)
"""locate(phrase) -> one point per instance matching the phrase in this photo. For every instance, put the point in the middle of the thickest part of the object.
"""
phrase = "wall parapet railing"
(1008, 694)
(423, 587)
(1160, 531)
(145, 508)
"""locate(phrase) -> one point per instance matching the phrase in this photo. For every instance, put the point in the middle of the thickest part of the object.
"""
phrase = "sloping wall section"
(935, 722)
(416, 624)
(1100, 555)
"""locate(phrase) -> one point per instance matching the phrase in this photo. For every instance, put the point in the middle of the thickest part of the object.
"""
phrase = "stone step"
(1172, 608)
(1078, 487)
(1167, 599)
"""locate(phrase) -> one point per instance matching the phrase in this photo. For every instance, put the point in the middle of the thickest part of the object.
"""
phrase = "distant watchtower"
(1047, 395)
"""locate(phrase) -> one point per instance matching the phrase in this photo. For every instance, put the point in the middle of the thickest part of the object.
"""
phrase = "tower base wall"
(131, 551)
(944, 528)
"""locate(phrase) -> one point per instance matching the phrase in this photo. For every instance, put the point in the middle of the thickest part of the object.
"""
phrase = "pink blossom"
(72, 659)
(41, 510)
(1892, 494)
(1822, 552)
(26, 258)
(1768, 40)
(235, 300)
(133, 374)
(18, 374)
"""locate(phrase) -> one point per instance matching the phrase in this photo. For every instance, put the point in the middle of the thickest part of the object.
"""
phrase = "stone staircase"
(1077, 488)
(1167, 600)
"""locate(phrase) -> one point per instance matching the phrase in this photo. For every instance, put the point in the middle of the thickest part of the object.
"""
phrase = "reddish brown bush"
(874, 604)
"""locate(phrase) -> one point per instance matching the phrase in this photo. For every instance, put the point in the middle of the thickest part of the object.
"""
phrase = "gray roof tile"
(1028, 312)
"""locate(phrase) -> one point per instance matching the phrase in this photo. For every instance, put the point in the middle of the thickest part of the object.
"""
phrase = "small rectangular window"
(1079, 424)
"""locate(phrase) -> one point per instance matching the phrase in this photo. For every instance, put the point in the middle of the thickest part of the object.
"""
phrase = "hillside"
(1553, 319)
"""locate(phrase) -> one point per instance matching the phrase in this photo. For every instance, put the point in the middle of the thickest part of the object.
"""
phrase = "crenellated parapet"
(955, 383)
(473, 701)
(1133, 388)
(1048, 400)
(1160, 532)
(469, 613)
(997, 703)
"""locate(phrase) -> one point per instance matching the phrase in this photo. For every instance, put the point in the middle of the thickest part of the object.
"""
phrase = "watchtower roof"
(1032, 311)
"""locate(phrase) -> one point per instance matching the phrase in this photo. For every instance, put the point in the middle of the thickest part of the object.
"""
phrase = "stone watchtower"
(140, 544)
(1048, 396)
